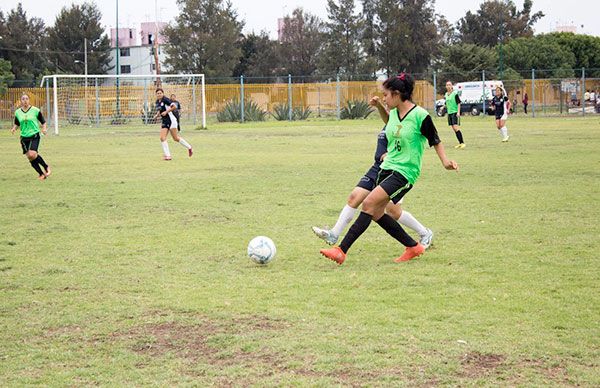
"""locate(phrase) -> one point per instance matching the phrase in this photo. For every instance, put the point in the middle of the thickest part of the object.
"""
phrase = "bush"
(148, 115)
(232, 112)
(356, 110)
(281, 112)
(118, 119)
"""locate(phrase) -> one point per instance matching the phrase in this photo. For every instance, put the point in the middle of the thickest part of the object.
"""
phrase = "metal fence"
(328, 95)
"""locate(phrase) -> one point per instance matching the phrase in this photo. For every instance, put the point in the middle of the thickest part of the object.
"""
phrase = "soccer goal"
(117, 100)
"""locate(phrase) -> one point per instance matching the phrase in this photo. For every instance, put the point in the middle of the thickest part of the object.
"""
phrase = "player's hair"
(25, 94)
(501, 89)
(159, 89)
(402, 83)
(450, 82)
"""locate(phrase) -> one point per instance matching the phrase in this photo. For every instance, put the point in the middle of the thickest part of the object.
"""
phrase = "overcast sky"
(262, 15)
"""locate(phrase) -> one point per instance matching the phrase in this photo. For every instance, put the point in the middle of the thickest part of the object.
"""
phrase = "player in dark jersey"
(501, 105)
(164, 109)
(177, 112)
(452, 99)
(364, 186)
(28, 119)
(408, 129)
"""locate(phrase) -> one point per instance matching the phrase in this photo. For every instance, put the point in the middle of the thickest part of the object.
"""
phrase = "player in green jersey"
(30, 121)
(408, 129)
(453, 108)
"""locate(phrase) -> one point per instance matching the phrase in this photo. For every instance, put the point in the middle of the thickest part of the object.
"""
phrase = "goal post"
(113, 100)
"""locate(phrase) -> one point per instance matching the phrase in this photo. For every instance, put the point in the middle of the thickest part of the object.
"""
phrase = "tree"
(6, 75)
(342, 52)
(585, 48)
(22, 44)
(465, 62)
(260, 56)
(497, 21)
(546, 54)
(205, 38)
(301, 42)
(66, 40)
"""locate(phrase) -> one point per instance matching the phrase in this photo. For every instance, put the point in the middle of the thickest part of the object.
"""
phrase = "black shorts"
(394, 184)
(453, 119)
(30, 143)
(369, 180)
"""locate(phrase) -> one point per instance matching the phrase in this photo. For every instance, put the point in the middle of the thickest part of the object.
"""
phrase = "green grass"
(122, 269)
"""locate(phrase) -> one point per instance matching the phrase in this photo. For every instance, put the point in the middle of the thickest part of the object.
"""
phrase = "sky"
(262, 15)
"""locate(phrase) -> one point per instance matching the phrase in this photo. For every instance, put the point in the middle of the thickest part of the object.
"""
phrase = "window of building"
(125, 69)
(130, 34)
(125, 52)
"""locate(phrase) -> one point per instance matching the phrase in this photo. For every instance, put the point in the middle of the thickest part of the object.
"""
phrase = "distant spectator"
(593, 97)
(525, 102)
(586, 96)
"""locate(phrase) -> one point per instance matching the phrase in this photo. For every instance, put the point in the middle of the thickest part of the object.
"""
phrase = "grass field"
(122, 269)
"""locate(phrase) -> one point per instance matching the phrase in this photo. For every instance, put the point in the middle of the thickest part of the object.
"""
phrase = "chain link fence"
(555, 92)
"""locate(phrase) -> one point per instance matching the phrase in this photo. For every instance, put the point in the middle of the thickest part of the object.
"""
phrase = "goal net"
(117, 100)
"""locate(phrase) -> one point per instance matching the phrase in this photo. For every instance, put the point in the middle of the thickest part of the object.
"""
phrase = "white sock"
(409, 221)
(165, 147)
(346, 216)
(184, 143)
(504, 131)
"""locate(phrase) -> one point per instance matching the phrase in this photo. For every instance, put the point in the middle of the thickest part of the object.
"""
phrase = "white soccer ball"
(261, 250)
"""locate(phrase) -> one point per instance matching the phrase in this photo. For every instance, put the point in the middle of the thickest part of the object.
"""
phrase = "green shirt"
(29, 121)
(406, 141)
(451, 101)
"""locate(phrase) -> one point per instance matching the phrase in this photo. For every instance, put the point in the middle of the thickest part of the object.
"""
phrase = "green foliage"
(540, 53)
(464, 62)
(119, 119)
(281, 112)
(260, 57)
(6, 75)
(232, 112)
(356, 109)
(301, 42)
(342, 48)
(204, 38)
(66, 37)
(497, 21)
(148, 115)
(22, 43)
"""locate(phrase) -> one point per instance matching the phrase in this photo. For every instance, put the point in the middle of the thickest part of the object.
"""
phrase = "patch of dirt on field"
(551, 371)
(477, 364)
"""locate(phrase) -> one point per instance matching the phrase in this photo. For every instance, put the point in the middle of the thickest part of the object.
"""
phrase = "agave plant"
(281, 112)
(356, 109)
(232, 112)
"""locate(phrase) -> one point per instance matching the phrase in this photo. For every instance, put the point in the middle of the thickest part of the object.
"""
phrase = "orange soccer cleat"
(410, 253)
(334, 254)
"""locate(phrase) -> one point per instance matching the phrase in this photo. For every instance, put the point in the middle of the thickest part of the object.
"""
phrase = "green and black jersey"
(452, 101)
(29, 121)
(406, 141)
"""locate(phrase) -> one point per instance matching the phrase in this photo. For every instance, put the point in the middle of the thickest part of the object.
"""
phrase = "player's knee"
(31, 155)
(393, 210)
(354, 200)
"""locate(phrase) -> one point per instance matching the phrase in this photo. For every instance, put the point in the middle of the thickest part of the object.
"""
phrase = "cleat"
(190, 152)
(461, 146)
(410, 253)
(326, 235)
(426, 239)
(334, 254)
(42, 177)
(48, 172)
(167, 158)
(505, 139)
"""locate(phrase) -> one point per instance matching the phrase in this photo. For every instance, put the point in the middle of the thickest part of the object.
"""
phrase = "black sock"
(358, 227)
(459, 136)
(36, 166)
(394, 229)
(41, 161)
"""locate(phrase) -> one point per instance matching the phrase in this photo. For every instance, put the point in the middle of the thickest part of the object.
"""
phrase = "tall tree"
(301, 42)
(342, 52)
(545, 53)
(465, 62)
(497, 21)
(6, 75)
(66, 40)
(205, 38)
(260, 56)
(22, 44)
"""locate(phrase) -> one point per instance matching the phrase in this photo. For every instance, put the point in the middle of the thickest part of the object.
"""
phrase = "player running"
(501, 104)
(453, 108)
(169, 123)
(28, 119)
(366, 184)
(407, 130)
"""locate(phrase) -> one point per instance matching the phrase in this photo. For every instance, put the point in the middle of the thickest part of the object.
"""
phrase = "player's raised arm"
(383, 113)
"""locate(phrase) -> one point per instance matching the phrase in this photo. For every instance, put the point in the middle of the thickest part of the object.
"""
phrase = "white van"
(472, 95)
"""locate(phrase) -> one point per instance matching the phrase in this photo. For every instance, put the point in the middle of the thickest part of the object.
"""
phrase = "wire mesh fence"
(533, 92)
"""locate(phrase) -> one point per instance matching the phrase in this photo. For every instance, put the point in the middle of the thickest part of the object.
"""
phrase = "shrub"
(232, 112)
(356, 109)
(281, 112)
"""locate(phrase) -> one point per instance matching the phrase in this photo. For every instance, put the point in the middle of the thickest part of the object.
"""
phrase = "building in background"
(137, 50)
